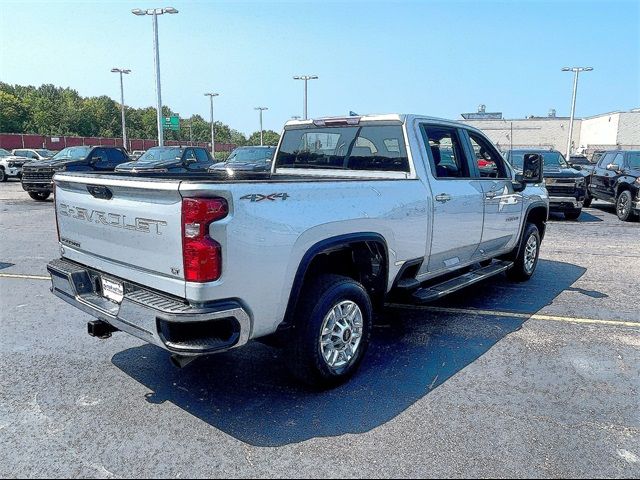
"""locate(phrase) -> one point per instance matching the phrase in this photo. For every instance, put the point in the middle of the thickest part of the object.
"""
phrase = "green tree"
(269, 137)
(13, 113)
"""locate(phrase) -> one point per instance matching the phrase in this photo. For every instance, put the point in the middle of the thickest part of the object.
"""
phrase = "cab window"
(445, 152)
(490, 162)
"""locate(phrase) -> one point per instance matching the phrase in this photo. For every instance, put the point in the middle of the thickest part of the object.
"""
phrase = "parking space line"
(526, 316)
(28, 277)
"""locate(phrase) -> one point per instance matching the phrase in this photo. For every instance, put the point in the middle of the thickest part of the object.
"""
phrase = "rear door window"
(446, 156)
(116, 157)
(202, 155)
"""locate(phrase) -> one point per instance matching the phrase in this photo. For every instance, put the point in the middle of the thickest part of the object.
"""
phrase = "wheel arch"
(362, 256)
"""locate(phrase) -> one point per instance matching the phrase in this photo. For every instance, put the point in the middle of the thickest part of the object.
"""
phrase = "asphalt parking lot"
(540, 379)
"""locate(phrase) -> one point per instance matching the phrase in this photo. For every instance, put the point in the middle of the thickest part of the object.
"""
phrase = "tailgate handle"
(100, 191)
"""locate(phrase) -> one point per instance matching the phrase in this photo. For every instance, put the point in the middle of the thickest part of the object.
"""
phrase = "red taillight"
(202, 255)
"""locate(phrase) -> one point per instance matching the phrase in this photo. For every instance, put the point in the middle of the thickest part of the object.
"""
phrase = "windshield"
(551, 159)
(634, 160)
(374, 147)
(4, 153)
(44, 153)
(250, 155)
(160, 154)
(72, 153)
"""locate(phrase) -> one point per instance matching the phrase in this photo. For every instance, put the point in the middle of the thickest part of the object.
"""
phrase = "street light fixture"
(213, 141)
(155, 12)
(122, 71)
(306, 78)
(261, 109)
(577, 71)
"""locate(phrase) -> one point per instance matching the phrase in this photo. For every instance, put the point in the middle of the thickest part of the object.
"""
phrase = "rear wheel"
(587, 200)
(573, 214)
(624, 206)
(527, 259)
(39, 196)
(331, 331)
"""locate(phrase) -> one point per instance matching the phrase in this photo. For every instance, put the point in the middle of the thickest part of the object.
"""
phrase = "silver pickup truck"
(355, 211)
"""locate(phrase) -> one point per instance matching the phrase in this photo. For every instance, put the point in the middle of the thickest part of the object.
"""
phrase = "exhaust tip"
(180, 361)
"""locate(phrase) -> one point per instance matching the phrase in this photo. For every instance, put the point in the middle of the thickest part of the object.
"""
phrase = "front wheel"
(624, 206)
(527, 259)
(39, 196)
(573, 214)
(331, 331)
(3, 175)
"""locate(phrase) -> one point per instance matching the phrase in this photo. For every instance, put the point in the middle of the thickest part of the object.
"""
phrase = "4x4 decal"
(258, 197)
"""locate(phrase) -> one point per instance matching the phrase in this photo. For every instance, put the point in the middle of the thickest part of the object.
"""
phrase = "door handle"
(491, 195)
(443, 197)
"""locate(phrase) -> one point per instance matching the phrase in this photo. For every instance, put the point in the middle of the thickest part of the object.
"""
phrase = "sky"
(438, 58)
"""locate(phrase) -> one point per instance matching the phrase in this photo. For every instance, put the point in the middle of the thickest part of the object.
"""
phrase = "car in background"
(10, 165)
(246, 159)
(33, 153)
(37, 177)
(616, 179)
(170, 160)
(136, 154)
(565, 184)
(579, 160)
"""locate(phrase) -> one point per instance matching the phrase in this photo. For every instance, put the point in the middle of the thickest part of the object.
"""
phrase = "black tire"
(520, 272)
(39, 196)
(3, 176)
(587, 201)
(573, 214)
(624, 206)
(305, 357)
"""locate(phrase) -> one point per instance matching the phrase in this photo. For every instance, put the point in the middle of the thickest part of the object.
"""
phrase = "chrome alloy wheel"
(623, 206)
(530, 253)
(341, 334)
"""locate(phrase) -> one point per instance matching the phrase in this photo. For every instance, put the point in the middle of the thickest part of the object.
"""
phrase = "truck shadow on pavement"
(249, 395)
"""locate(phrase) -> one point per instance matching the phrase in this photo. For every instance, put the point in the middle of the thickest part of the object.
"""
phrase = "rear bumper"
(565, 203)
(167, 322)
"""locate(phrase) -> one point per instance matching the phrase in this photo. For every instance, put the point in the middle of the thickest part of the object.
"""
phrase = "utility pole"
(576, 71)
(213, 140)
(122, 71)
(261, 109)
(306, 78)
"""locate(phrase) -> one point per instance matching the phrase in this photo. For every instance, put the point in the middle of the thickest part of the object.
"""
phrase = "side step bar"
(429, 294)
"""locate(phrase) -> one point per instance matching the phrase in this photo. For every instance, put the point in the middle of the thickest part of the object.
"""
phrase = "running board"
(429, 294)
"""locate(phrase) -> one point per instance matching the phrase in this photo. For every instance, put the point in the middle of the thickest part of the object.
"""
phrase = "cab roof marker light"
(322, 122)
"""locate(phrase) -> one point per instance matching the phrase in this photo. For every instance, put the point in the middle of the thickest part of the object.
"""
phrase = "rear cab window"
(345, 148)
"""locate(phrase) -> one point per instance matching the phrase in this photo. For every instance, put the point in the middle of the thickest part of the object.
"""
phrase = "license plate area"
(112, 289)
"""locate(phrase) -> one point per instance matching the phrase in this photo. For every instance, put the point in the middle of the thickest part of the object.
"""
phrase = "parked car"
(170, 160)
(580, 160)
(566, 184)
(136, 154)
(355, 211)
(10, 165)
(37, 177)
(33, 153)
(616, 179)
(246, 159)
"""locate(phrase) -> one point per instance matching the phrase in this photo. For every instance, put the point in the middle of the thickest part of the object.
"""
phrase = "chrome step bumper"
(166, 322)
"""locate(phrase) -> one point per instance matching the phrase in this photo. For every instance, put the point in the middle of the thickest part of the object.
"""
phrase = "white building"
(615, 130)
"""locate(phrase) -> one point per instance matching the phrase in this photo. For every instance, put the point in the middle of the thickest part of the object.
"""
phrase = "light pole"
(261, 109)
(577, 71)
(213, 141)
(155, 12)
(122, 71)
(306, 78)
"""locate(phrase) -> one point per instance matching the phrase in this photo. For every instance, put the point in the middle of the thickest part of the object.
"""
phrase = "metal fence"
(9, 141)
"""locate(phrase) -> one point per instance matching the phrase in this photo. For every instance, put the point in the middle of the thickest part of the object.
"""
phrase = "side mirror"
(519, 185)
(613, 167)
(576, 166)
(189, 161)
(96, 159)
(532, 168)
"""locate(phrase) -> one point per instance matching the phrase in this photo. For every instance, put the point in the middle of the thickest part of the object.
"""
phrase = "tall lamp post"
(122, 71)
(213, 141)
(155, 12)
(306, 78)
(261, 109)
(576, 71)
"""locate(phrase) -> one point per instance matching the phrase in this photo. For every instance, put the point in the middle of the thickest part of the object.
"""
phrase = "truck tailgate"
(128, 227)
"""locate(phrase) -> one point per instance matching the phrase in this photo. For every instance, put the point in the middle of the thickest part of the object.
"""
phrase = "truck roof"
(386, 117)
